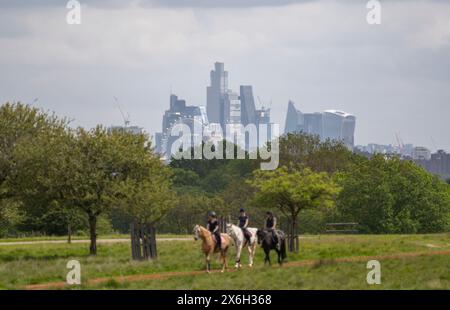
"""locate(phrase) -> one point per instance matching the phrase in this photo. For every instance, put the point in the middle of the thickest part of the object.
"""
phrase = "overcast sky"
(395, 77)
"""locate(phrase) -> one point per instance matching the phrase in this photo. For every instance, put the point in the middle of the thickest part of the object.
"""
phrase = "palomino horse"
(209, 246)
(266, 240)
(239, 239)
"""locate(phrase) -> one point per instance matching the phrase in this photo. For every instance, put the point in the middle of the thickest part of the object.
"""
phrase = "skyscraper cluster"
(330, 124)
(179, 113)
(233, 111)
(227, 116)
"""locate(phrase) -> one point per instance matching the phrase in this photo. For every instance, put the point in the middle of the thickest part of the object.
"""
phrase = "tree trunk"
(296, 240)
(69, 233)
(93, 234)
(293, 238)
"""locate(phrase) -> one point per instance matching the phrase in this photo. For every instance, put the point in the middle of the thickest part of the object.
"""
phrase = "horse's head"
(261, 234)
(229, 229)
(196, 232)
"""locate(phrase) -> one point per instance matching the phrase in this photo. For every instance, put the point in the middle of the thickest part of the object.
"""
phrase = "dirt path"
(165, 275)
(87, 241)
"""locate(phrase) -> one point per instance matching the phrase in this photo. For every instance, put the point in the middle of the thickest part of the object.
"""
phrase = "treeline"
(56, 180)
(317, 183)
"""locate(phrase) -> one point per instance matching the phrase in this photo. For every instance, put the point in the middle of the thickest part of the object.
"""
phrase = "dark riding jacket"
(271, 223)
(243, 221)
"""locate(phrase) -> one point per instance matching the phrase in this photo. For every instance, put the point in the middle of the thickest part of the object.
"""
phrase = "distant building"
(235, 111)
(179, 113)
(438, 164)
(331, 124)
(404, 151)
(258, 117)
(215, 93)
(248, 108)
(130, 129)
(421, 153)
(339, 125)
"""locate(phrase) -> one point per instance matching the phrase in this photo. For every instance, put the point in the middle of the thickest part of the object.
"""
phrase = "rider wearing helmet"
(243, 223)
(271, 224)
(213, 227)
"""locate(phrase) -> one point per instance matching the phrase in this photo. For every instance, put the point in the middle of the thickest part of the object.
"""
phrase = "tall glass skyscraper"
(339, 125)
(331, 124)
(215, 93)
(248, 109)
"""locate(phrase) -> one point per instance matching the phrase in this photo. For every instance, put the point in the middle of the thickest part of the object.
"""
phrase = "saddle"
(247, 235)
(222, 239)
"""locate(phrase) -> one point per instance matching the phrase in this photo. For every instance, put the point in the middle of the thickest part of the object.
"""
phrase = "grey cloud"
(174, 3)
(158, 3)
(393, 77)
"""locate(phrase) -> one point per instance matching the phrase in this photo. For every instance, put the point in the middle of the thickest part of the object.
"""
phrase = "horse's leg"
(208, 262)
(223, 256)
(238, 254)
(251, 253)
(267, 257)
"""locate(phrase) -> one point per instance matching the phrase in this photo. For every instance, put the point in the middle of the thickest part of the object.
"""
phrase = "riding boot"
(277, 241)
(218, 241)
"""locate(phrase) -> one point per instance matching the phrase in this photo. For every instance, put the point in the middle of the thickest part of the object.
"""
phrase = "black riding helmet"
(212, 214)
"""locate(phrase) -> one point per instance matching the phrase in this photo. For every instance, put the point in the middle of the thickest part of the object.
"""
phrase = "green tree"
(191, 208)
(389, 195)
(304, 150)
(35, 148)
(10, 217)
(293, 191)
(101, 159)
(146, 200)
(18, 123)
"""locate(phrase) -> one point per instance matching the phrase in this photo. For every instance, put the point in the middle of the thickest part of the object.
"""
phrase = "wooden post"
(143, 241)
(152, 241)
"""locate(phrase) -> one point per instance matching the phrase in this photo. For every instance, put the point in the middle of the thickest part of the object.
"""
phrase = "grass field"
(63, 238)
(22, 265)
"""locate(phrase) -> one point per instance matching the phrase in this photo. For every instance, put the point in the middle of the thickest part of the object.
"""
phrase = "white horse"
(238, 236)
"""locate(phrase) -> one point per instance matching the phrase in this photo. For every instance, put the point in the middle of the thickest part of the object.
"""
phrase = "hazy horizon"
(393, 77)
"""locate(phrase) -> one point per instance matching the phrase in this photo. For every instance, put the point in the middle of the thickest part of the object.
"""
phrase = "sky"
(322, 54)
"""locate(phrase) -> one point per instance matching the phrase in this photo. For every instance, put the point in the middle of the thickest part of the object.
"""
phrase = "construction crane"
(263, 106)
(260, 102)
(126, 118)
(399, 142)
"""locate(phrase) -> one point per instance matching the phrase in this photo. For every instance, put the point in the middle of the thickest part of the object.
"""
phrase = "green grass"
(412, 273)
(21, 265)
(83, 237)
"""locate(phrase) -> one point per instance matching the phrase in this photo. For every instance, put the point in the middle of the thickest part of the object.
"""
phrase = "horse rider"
(213, 227)
(243, 224)
(271, 225)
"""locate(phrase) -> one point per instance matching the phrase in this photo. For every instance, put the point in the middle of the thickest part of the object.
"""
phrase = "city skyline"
(329, 124)
(228, 115)
(320, 54)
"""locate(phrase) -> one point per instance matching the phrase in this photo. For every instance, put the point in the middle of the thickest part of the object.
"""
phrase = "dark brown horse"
(267, 242)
